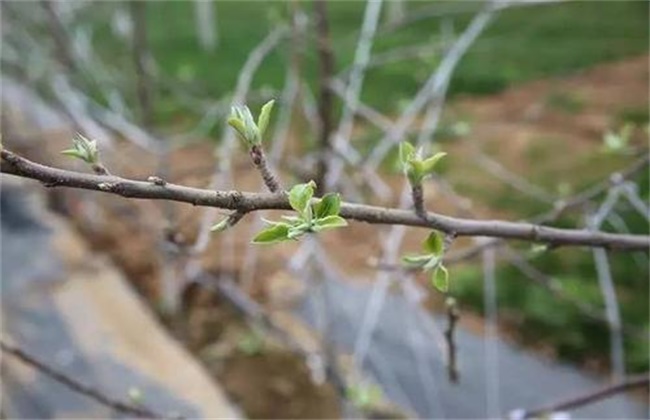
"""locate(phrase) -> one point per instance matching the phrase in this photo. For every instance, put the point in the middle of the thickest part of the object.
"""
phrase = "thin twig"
(452, 319)
(435, 83)
(417, 193)
(77, 386)
(246, 201)
(492, 373)
(637, 381)
(259, 160)
(64, 55)
(352, 91)
(140, 55)
(221, 174)
(325, 101)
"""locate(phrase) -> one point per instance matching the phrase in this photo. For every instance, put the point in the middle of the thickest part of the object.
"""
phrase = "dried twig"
(325, 101)
(352, 91)
(452, 319)
(73, 384)
(434, 84)
(637, 381)
(140, 55)
(64, 54)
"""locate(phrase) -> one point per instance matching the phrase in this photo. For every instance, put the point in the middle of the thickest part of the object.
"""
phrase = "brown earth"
(526, 128)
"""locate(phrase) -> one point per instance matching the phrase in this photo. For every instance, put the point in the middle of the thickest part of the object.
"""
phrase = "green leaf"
(329, 222)
(293, 220)
(238, 125)
(429, 164)
(277, 233)
(84, 149)
(297, 231)
(415, 171)
(74, 153)
(440, 278)
(241, 120)
(221, 226)
(432, 263)
(434, 243)
(299, 198)
(329, 205)
(416, 261)
(406, 152)
(265, 115)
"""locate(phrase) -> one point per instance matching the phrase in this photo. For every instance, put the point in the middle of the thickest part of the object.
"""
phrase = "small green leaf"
(87, 147)
(84, 149)
(297, 231)
(434, 243)
(238, 125)
(329, 222)
(293, 220)
(416, 261)
(406, 152)
(432, 263)
(299, 198)
(429, 164)
(415, 171)
(329, 205)
(136, 395)
(241, 120)
(244, 114)
(221, 226)
(265, 115)
(537, 249)
(74, 153)
(440, 278)
(272, 222)
(277, 233)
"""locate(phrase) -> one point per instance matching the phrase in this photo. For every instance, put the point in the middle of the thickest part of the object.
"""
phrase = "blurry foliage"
(530, 43)
(521, 44)
(634, 115)
(568, 102)
(252, 343)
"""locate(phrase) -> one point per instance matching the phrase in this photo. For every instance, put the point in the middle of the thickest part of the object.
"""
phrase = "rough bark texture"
(247, 202)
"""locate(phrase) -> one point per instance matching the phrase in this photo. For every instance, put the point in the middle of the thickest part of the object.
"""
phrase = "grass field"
(521, 44)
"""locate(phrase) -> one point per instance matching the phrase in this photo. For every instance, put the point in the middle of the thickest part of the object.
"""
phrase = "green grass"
(566, 102)
(521, 44)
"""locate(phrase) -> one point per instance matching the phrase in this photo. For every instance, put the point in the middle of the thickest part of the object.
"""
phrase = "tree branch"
(79, 387)
(639, 381)
(247, 202)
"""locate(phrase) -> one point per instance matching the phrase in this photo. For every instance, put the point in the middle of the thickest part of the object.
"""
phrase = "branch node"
(99, 169)
(106, 186)
(156, 180)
